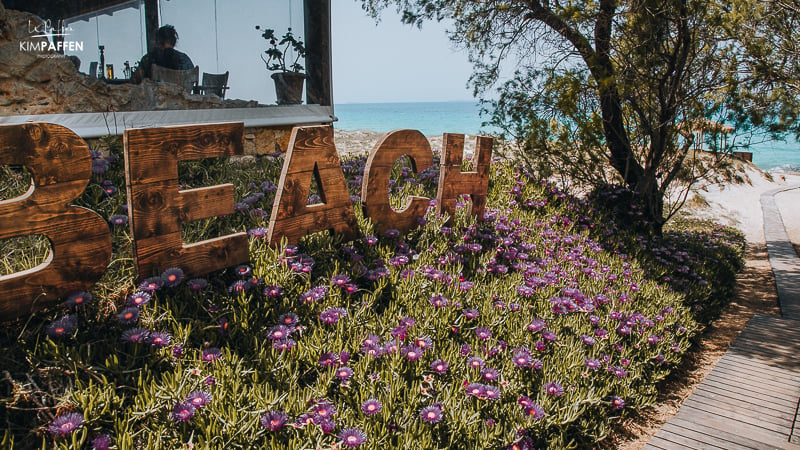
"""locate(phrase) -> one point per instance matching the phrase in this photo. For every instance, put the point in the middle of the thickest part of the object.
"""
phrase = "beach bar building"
(68, 62)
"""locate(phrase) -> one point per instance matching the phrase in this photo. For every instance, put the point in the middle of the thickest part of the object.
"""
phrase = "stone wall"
(46, 82)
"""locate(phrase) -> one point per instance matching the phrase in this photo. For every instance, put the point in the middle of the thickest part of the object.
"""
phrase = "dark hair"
(166, 35)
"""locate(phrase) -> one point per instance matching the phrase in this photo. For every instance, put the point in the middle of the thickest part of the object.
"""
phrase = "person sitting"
(164, 55)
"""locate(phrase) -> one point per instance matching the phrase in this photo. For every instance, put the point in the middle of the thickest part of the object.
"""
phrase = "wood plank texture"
(375, 186)
(158, 209)
(748, 400)
(80, 240)
(453, 182)
(311, 153)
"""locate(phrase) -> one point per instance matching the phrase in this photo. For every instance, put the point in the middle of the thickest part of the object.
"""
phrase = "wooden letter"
(157, 208)
(80, 240)
(311, 153)
(375, 187)
(453, 182)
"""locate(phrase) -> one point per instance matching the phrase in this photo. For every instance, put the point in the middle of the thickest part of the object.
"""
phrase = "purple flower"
(408, 322)
(159, 339)
(66, 424)
(392, 233)
(424, 342)
(588, 340)
(549, 335)
(492, 392)
(475, 390)
(279, 332)
(284, 344)
(592, 363)
(439, 366)
(274, 420)
(328, 359)
(65, 325)
(352, 437)
(172, 277)
(182, 412)
(617, 402)
(273, 291)
(212, 354)
(490, 374)
(340, 280)
(439, 300)
(289, 319)
(553, 388)
(370, 240)
(315, 294)
(399, 260)
(618, 371)
(151, 284)
(411, 352)
(198, 399)
(483, 333)
(118, 220)
(128, 315)
(243, 270)
(138, 298)
(465, 350)
(475, 363)
(78, 299)
(197, 284)
(371, 407)
(102, 442)
(537, 325)
(534, 411)
(135, 335)
(470, 313)
(324, 409)
(431, 414)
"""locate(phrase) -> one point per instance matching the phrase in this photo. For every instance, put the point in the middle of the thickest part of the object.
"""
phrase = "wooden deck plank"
(677, 442)
(738, 438)
(752, 416)
(737, 361)
(757, 399)
(747, 391)
(705, 438)
(760, 378)
(742, 404)
(731, 426)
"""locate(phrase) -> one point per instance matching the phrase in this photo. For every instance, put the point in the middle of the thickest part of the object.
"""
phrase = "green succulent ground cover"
(542, 326)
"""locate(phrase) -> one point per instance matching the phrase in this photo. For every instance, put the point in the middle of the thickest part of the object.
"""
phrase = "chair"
(214, 83)
(186, 78)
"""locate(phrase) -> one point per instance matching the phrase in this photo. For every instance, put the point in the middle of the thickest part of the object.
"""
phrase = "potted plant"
(288, 75)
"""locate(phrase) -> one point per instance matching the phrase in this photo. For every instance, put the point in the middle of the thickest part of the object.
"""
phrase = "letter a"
(311, 153)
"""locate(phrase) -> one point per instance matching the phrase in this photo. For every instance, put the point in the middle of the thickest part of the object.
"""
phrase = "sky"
(372, 62)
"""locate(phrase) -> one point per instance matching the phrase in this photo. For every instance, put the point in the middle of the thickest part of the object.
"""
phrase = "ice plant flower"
(78, 299)
(65, 325)
(212, 354)
(352, 437)
(102, 442)
(431, 414)
(197, 284)
(617, 402)
(66, 424)
(439, 366)
(553, 388)
(198, 399)
(371, 407)
(483, 333)
(159, 339)
(135, 335)
(128, 315)
(172, 277)
(344, 373)
(274, 420)
(151, 284)
(138, 298)
(183, 412)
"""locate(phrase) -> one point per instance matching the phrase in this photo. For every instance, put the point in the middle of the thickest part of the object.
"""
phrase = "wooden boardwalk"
(750, 399)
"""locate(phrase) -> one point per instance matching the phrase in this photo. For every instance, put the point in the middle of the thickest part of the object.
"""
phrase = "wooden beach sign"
(81, 240)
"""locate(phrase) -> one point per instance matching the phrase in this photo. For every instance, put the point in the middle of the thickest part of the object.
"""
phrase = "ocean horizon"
(435, 118)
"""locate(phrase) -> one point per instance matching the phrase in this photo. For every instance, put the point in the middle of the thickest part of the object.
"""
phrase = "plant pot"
(289, 87)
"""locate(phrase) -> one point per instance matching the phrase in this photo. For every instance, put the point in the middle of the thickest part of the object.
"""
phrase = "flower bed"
(520, 330)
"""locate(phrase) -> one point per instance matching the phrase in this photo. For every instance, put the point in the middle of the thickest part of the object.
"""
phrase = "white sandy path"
(739, 205)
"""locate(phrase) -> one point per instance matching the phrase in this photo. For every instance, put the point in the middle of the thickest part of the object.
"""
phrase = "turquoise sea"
(463, 117)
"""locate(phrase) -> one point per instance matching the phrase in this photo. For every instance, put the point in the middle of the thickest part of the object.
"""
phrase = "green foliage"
(532, 258)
